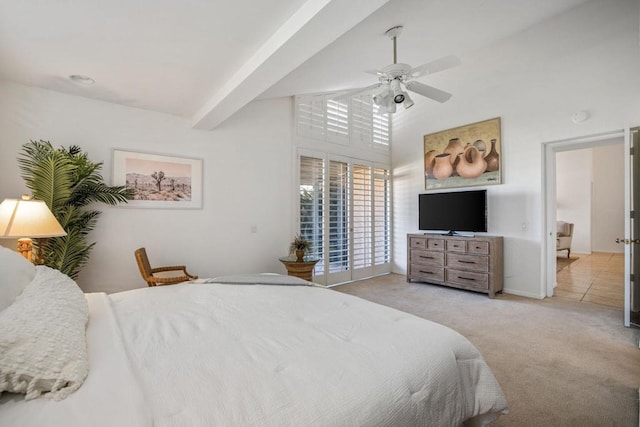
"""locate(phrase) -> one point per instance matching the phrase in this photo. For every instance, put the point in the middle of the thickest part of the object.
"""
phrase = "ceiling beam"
(314, 26)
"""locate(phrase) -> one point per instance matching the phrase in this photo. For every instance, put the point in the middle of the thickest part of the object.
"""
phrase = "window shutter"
(380, 126)
(339, 241)
(362, 120)
(362, 200)
(337, 121)
(312, 205)
(382, 216)
(311, 116)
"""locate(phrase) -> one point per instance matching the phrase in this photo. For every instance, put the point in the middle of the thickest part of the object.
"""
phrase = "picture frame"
(465, 156)
(159, 180)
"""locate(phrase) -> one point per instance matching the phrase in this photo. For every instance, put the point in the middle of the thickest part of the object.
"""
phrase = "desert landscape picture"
(159, 181)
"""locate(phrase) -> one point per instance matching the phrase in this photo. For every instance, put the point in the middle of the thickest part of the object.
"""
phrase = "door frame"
(549, 150)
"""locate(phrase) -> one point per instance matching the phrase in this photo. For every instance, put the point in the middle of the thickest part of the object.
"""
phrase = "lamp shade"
(28, 218)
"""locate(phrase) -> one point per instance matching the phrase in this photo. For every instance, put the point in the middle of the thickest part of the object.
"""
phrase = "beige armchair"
(564, 234)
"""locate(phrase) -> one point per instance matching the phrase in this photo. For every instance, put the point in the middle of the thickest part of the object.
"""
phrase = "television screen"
(454, 211)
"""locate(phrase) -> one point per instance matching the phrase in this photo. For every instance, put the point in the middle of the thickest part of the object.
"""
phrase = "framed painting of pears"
(465, 156)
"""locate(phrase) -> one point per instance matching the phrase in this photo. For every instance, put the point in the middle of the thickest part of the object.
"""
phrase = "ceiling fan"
(389, 90)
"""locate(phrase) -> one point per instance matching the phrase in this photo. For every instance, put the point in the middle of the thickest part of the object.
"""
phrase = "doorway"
(590, 214)
(549, 151)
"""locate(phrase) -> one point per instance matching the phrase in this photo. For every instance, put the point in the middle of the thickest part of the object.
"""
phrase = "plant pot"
(299, 255)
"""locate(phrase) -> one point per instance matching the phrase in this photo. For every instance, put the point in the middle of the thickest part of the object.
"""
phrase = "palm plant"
(68, 182)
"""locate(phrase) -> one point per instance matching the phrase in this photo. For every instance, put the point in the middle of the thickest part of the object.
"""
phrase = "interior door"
(632, 228)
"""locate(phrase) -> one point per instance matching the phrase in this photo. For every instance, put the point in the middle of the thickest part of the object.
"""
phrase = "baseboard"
(522, 293)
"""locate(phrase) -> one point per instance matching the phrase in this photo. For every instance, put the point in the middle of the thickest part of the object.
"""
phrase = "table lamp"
(26, 219)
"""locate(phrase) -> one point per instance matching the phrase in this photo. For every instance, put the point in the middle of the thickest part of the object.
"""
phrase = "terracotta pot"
(429, 156)
(480, 145)
(454, 148)
(471, 163)
(442, 168)
(299, 254)
(492, 158)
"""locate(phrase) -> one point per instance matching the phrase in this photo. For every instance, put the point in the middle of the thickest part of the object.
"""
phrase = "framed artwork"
(159, 181)
(465, 156)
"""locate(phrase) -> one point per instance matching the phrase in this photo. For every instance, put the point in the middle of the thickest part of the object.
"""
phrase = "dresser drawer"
(435, 244)
(427, 273)
(456, 246)
(467, 279)
(475, 247)
(468, 262)
(427, 257)
(418, 243)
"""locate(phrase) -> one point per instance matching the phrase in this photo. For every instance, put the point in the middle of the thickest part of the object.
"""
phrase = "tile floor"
(597, 278)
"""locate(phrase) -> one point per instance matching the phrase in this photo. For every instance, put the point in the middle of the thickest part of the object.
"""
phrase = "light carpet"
(559, 362)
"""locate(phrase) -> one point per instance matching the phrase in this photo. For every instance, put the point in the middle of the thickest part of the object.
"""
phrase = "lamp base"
(25, 247)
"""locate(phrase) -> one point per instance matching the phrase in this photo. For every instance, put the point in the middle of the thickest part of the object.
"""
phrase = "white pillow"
(15, 274)
(43, 345)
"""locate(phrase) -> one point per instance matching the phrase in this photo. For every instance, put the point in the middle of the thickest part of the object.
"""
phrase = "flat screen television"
(451, 212)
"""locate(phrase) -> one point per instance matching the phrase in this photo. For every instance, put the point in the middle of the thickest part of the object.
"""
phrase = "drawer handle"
(466, 278)
(466, 262)
(478, 247)
(426, 272)
(426, 257)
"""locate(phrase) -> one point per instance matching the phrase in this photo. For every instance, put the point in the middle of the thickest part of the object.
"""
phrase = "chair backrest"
(143, 265)
(564, 228)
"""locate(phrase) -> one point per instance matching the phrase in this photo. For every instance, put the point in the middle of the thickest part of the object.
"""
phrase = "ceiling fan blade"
(441, 64)
(428, 91)
(341, 96)
(377, 73)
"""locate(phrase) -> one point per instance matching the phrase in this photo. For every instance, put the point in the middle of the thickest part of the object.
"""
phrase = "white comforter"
(260, 355)
(256, 355)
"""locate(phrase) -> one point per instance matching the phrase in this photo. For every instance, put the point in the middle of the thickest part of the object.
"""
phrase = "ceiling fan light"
(391, 106)
(408, 102)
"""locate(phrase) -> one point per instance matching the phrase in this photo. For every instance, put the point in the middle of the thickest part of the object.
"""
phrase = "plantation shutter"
(339, 241)
(382, 216)
(337, 121)
(311, 190)
(362, 119)
(311, 116)
(380, 127)
(362, 209)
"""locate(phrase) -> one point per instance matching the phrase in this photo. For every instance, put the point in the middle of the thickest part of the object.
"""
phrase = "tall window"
(353, 239)
(344, 185)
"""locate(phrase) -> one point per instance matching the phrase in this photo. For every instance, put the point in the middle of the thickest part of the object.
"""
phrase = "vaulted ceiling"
(205, 59)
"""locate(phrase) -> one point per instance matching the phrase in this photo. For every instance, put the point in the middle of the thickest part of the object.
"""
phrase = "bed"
(251, 350)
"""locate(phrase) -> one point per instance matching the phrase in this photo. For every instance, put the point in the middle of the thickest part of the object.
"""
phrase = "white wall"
(574, 180)
(248, 181)
(585, 59)
(608, 198)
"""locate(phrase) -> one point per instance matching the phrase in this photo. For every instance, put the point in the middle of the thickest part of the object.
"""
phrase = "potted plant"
(70, 184)
(299, 245)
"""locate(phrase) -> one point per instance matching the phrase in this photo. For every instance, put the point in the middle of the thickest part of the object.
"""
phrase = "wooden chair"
(148, 273)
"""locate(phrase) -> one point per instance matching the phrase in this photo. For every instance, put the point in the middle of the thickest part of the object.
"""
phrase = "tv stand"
(474, 263)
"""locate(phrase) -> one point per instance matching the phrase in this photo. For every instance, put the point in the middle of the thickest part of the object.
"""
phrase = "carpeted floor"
(559, 362)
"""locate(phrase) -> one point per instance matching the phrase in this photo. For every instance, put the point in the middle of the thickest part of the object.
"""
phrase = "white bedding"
(297, 356)
(253, 355)
(110, 396)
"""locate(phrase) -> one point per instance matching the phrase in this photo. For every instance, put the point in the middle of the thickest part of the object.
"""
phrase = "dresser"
(472, 263)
